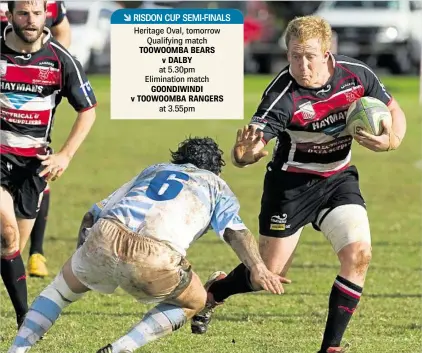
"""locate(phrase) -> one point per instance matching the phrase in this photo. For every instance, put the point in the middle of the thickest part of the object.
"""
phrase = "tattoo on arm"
(244, 245)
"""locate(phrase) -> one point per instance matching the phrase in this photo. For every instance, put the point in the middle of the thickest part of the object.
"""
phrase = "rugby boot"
(37, 266)
(109, 349)
(337, 349)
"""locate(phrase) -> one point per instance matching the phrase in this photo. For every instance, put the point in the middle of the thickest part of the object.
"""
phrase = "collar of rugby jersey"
(9, 28)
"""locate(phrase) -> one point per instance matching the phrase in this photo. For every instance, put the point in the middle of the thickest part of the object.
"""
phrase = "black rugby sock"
(237, 281)
(13, 274)
(343, 301)
(38, 231)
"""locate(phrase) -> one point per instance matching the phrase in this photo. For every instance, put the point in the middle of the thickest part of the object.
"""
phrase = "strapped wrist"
(393, 141)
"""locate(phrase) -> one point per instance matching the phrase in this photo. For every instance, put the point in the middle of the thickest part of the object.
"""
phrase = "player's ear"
(326, 56)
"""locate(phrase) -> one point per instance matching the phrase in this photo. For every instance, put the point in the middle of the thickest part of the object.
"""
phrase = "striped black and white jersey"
(32, 86)
(309, 123)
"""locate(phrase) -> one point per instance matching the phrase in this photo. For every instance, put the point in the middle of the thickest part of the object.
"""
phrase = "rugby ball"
(366, 114)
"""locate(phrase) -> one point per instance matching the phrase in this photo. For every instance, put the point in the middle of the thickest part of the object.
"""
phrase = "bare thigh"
(72, 281)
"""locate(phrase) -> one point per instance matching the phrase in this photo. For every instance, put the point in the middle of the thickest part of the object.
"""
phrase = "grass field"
(388, 319)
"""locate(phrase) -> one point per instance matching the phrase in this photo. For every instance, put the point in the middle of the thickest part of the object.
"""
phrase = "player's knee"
(357, 256)
(363, 258)
(9, 239)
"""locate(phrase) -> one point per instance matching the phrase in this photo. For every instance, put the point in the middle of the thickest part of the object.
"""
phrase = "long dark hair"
(203, 152)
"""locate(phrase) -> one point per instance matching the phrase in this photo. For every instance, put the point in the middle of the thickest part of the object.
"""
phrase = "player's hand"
(55, 165)
(262, 278)
(248, 148)
(381, 143)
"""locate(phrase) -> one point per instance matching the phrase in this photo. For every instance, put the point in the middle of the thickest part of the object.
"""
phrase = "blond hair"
(308, 27)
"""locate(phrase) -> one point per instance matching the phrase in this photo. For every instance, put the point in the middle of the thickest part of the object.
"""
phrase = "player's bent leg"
(193, 298)
(12, 267)
(347, 228)
(354, 259)
(47, 307)
(277, 254)
(74, 284)
(162, 320)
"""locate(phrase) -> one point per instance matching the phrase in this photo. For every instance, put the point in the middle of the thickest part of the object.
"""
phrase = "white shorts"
(113, 256)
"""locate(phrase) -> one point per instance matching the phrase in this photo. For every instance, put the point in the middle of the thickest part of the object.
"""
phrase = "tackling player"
(138, 239)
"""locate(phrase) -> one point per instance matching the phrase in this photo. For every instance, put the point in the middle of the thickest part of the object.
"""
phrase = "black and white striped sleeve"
(274, 112)
(372, 84)
(374, 87)
(75, 87)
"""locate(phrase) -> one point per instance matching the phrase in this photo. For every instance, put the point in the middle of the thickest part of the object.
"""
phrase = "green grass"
(388, 319)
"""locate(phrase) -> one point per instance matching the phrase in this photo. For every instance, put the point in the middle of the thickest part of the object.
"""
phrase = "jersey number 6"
(166, 185)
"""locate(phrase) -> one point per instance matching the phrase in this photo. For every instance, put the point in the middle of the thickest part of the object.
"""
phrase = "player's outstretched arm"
(248, 148)
(244, 245)
(270, 119)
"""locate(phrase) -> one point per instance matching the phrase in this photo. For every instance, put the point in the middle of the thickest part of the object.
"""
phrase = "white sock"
(158, 322)
(42, 314)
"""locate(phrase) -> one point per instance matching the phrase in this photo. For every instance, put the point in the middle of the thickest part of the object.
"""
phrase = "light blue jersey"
(173, 203)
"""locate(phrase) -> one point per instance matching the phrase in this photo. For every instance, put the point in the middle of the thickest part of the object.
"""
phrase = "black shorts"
(293, 200)
(19, 175)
